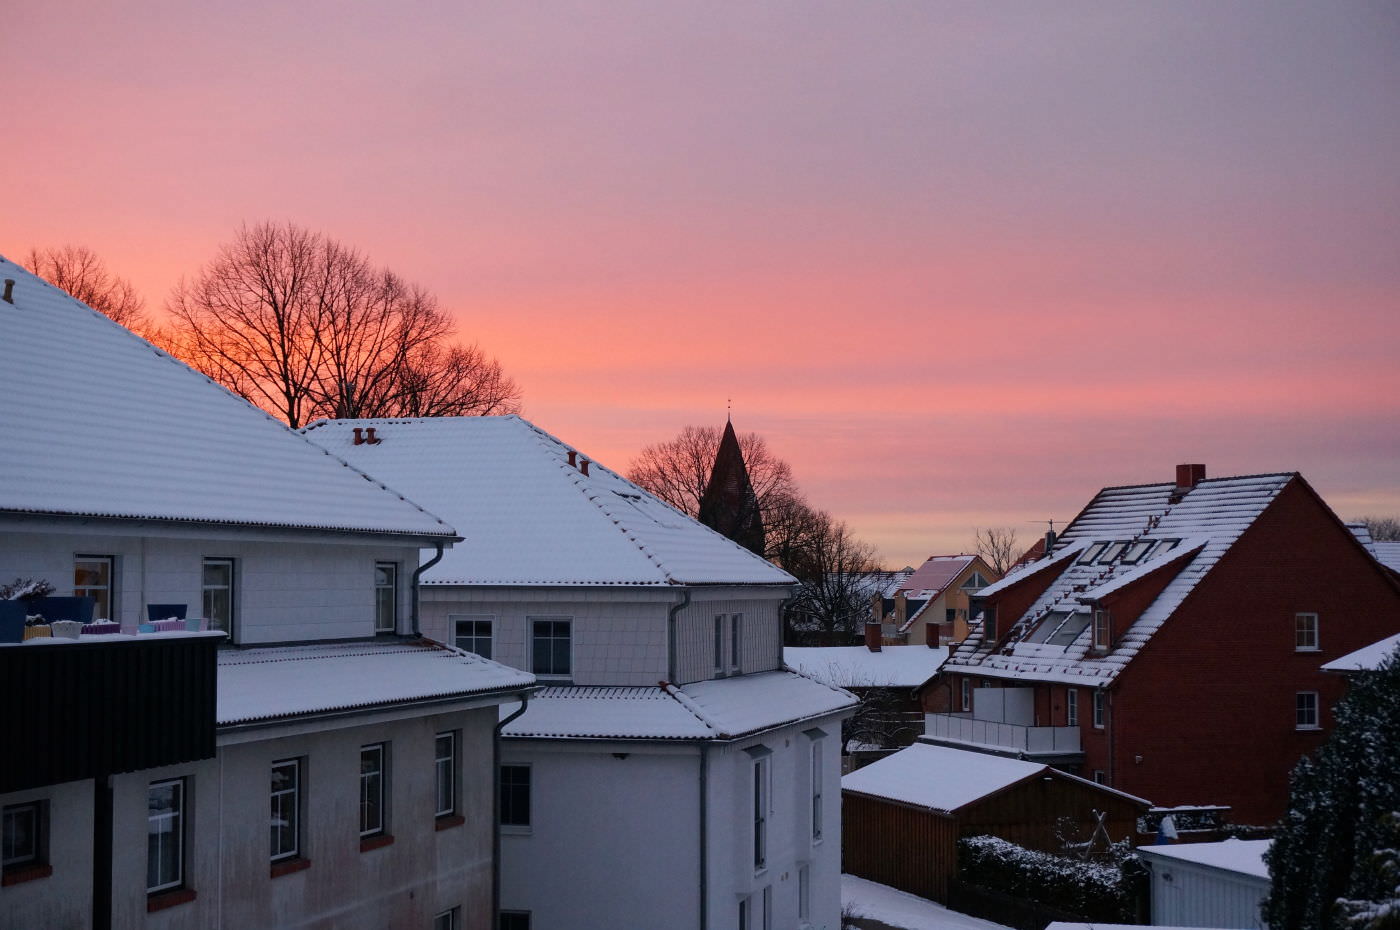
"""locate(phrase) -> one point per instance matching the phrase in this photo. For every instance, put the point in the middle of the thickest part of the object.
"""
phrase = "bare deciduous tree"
(835, 571)
(1382, 529)
(678, 470)
(997, 547)
(77, 270)
(304, 326)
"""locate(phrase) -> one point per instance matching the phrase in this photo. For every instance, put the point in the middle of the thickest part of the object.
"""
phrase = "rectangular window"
(1098, 709)
(1307, 718)
(445, 766)
(515, 795)
(719, 645)
(92, 577)
(1071, 707)
(817, 787)
(23, 836)
(1092, 553)
(165, 835)
(472, 634)
(804, 893)
(966, 696)
(1137, 551)
(768, 907)
(950, 614)
(1305, 638)
(1111, 552)
(1099, 777)
(551, 647)
(218, 594)
(760, 814)
(515, 920)
(447, 920)
(386, 597)
(736, 627)
(989, 624)
(374, 766)
(286, 809)
(1101, 630)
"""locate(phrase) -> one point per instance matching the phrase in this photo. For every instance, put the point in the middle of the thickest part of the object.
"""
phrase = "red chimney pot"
(1188, 476)
(872, 637)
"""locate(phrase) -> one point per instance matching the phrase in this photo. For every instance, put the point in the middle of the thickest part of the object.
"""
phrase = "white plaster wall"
(64, 898)
(287, 588)
(403, 885)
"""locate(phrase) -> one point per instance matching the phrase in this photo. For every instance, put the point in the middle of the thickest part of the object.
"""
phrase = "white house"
(672, 773)
(144, 799)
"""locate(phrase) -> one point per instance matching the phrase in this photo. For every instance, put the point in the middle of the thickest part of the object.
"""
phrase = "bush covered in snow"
(1097, 891)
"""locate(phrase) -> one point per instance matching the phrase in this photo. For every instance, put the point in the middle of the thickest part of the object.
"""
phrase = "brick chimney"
(931, 635)
(1188, 476)
(872, 637)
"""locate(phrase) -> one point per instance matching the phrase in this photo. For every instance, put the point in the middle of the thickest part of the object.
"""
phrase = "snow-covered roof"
(1196, 526)
(938, 571)
(722, 709)
(1387, 553)
(1367, 658)
(858, 667)
(1243, 856)
(945, 779)
(271, 683)
(98, 422)
(532, 518)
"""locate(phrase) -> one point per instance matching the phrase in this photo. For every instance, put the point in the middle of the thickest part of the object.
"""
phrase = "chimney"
(931, 634)
(1049, 541)
(9, 290)
(901, 608)
(359, 436)
(1188, 476)
(370, 437)
(872, 637)
(573, 459)
(583, 466)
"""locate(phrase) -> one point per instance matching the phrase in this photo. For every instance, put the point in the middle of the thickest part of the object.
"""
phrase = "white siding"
(762, 636)
(1185, 894)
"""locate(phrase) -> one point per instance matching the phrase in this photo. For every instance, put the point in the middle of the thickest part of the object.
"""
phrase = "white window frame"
(804, 892)
(1100, 708)
(1307, 711)
(818, 786)
(1101, 623)
(455, 620)
(518, 826)
(206, 589)
(293, 795)
(1071, 707)
(1092, 553)
(1099, 777)
(391, 623)
(569, 626)
(761, 790)
(33, 854)
(175, 816)
(109, 590)
(374, 785)
(448, 919)
(445, 773)
(965, 695)
(719, 646)
(1307, 632)
(736, 640)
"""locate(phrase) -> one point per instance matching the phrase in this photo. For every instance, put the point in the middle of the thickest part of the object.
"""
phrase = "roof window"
(1111, 552)
(1137, 551)
(1092, 553)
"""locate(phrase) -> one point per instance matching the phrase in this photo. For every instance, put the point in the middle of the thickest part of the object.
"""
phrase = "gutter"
(704, 834)
(671, 613)
(496, 808)
(417, 575)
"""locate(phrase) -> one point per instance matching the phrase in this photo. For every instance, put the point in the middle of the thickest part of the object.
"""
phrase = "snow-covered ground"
(905, 911)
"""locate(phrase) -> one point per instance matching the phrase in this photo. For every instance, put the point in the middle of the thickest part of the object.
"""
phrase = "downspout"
(417, 574)
(1112, 749)
(496, 807)
(704, 834)
(102, 852)
(671, 632)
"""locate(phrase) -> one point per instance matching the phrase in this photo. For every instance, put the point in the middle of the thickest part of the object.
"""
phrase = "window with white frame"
(1137, 551)
(1101, 629)
(1306, 716)
(218, 594)
(515, 795)
(966, 694)
(22, 839)
(92, 577)
(445, 772)
(767, 915)
(745, 914)
(1099, 708)
(474, 634)
(719, 645)
(374, 775)
(804, 892)
(448, 920)
(736, 631)
(165, 835)
(1111, 552)
(817, 788)
(1099, 777)
(551, 647)
(1071, 707)
(386, 597)
(762, 803)
(1305, 633)
(286, 809)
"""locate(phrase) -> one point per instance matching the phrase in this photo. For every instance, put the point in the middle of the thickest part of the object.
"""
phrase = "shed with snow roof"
(902, 816)
(1208, 884)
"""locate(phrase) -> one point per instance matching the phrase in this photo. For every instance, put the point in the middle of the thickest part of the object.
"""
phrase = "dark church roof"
(729, 505)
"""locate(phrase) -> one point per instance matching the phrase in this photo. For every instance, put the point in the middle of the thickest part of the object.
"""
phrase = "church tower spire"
(729, 505)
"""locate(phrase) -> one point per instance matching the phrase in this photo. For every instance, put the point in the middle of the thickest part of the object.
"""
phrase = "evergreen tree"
(1332, 864)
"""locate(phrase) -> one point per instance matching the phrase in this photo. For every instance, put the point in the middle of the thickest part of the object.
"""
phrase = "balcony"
(1042, 744)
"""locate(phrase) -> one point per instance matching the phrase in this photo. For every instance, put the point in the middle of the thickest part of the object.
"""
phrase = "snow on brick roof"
(1367, 658)
(723, 709)
(858, 667)
(1388, 554)
(945, 779)
(275, 682)
(1243, 856)
(1208, 518)
(532, 518)
(930, 579)
(99, 422)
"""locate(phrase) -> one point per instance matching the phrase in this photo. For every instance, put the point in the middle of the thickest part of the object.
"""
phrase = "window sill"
(1307, 648)
(160, 900)
(448, 821)
(288, 866)
(26, 873)
(378, 841)
(514, 829)
(1312, 728)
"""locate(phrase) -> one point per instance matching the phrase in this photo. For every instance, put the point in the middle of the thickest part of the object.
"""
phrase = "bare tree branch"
(997, 547)
(77, 270)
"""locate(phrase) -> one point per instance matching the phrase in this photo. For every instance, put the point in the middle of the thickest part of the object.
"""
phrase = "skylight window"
(1092, 553)
(1060, 627)
(1137, 551)
(1111, 552)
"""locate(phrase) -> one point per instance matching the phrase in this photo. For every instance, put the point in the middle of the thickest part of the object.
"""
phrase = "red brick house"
(1170, 643)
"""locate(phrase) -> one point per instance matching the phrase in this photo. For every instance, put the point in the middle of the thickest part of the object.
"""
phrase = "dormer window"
(1137, 551)
(1111, 552)
(1092, 553)
(1102, 631)
(974, 583)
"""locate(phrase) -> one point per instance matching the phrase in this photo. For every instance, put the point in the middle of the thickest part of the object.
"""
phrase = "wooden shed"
(902, 817)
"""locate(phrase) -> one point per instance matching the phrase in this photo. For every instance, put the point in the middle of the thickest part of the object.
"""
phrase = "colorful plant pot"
(66, 629)
(38, 631)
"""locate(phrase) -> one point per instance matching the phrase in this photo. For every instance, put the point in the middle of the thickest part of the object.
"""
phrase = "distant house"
(1169, 643)
(902, 816)
(672, 773)
(1208, 884)
(931, 605)
(140, 766)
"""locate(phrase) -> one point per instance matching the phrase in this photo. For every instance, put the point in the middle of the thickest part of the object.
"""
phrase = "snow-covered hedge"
(1096, 891)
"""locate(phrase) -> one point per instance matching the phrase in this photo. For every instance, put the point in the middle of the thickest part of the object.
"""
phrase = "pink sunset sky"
(962, 264)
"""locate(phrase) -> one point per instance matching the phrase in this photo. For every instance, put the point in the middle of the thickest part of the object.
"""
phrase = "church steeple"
(729, 504)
